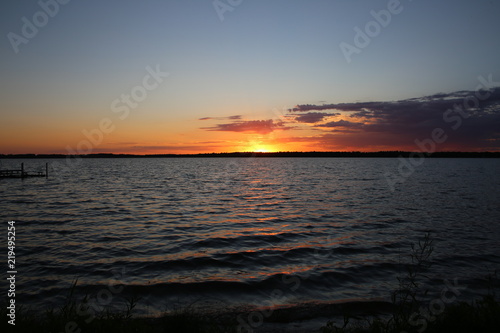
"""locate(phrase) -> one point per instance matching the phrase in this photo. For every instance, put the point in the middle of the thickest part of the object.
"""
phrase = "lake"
(247, 231)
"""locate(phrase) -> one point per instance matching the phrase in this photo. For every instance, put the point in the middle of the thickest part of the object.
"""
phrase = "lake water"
(258, 231)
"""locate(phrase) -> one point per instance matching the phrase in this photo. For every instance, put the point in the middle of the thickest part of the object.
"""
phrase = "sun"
(262, 148)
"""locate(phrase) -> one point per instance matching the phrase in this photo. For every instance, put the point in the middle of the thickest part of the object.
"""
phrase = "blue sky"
(264, 55)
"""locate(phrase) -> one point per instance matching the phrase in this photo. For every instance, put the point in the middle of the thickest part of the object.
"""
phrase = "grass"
(411, 313)
(79, 316)
(478, 316)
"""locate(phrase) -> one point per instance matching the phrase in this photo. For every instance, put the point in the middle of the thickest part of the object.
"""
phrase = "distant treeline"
(392, 154)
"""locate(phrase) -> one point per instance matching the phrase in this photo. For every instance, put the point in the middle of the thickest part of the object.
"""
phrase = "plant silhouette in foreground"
(409, 316)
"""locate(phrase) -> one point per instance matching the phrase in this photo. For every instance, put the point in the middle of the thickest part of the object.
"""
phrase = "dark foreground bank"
(479, 316)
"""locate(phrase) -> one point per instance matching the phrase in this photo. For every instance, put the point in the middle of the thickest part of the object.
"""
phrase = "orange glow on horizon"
(264, 148)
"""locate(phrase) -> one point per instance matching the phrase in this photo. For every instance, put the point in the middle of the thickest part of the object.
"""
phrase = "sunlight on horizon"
(259, 148)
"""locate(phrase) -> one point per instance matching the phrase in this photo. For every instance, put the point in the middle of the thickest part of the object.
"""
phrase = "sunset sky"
(193, 76)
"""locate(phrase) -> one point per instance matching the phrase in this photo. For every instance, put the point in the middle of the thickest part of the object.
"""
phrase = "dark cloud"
(253, 126)
(314, 117)
(440, 100)
(468, 118)
(221, 118)
(342, 123)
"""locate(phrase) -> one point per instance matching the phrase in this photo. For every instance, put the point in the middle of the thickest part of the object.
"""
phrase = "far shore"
(385, 154)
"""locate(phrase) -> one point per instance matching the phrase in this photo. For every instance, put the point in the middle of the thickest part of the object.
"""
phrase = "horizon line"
(354, 153)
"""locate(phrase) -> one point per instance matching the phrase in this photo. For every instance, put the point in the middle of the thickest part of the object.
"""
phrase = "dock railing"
(23, 174)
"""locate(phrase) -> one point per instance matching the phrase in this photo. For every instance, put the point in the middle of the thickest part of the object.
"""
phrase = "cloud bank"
(469, 119)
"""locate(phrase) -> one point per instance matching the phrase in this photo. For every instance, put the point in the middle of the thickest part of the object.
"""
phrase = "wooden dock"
(20, 173)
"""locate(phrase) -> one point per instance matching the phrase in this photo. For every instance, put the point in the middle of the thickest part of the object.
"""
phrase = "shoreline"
(349, 317)
(332, 154)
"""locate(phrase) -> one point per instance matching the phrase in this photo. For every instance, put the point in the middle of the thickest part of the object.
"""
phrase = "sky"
(197, 76)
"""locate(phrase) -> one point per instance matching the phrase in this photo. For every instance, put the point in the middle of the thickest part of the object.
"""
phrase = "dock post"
(22, 170)
(46, 170)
